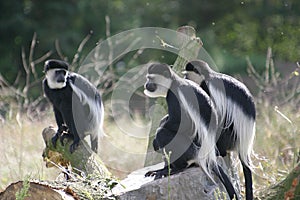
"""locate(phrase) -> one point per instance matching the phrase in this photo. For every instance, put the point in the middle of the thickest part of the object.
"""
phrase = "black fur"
(176, 129)
(73, 112)
(238, 94)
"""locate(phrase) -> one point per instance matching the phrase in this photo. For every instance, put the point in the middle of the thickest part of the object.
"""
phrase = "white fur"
(193, 76)
(96, 121)
(51, 79)
(163, 85)
(244, 127)
(207, 155)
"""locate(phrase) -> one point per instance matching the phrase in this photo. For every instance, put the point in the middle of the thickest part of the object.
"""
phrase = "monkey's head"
(56, 72)
(159, 80)
(197, 70)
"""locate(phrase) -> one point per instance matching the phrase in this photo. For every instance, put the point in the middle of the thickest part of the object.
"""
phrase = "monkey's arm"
(69, 120)
(58, 117)
(163, 137)
(60, 125)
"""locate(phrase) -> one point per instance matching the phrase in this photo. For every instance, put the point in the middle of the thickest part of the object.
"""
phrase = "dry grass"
(21, 147)
(277, 143)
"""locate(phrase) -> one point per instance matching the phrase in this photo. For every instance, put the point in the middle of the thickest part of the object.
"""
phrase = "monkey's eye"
(57, 72)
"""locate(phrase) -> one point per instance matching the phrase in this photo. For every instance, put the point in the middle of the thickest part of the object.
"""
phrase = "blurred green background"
(230, 30)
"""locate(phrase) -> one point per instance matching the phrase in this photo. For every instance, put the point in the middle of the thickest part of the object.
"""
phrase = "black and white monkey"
(189, 129)
(76, 103)
(236, 114)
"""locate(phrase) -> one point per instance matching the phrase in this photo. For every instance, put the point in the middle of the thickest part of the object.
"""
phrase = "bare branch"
(31, 53)
(80, 47)
(110, 47)
(42, 58)
(58, 50)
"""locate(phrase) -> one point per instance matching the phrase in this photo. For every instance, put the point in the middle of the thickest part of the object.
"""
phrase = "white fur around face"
(51, 79)
(163, 85)
(193, 77)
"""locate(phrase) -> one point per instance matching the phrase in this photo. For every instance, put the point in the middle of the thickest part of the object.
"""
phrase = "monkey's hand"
(59, 134)
(54, 139)
(158, 173)
(155, 145)
(65, 135)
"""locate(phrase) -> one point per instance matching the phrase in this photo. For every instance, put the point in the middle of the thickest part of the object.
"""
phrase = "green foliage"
(20, 195)
(237, 28)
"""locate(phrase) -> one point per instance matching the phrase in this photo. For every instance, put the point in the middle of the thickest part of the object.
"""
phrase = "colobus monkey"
(76, 103)
(188, 135)
(236, 113)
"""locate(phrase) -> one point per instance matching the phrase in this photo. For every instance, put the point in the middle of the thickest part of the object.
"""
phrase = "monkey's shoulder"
(230, 84)
(234, 89)
(191, 89)
(82, 83)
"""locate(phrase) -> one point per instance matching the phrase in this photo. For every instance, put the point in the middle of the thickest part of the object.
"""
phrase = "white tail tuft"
(244, 126)
(207, 136)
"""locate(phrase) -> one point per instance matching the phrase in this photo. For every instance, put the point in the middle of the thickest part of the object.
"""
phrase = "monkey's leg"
(94, 143)
(75, 143)
(60, 124)
(226, 182)
(233, 171)
(248, 181)
(72, 129)
(55, 138)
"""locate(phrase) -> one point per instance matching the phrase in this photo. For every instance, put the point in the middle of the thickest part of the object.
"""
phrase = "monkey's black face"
(192, 73)
(56, 78)
(157, 85)
(158, 80)
(195, 77)
(150, 86)
(199, 67)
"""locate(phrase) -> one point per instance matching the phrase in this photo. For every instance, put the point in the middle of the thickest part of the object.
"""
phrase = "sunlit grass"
(123, 149)
(21, 147)
(277, 143)
(21, 144)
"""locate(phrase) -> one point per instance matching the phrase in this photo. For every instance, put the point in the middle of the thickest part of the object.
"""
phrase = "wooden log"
(83, 159)
(34, 191)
